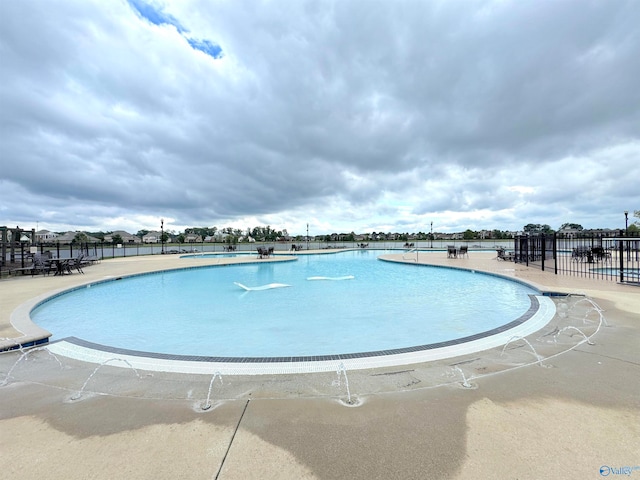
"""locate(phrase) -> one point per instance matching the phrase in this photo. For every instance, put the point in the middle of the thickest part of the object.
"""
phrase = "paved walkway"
(567, 416)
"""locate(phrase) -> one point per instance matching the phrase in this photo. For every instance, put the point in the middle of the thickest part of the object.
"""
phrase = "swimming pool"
(333, 304)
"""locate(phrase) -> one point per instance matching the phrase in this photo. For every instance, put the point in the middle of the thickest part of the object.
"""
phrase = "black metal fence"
(613, 257)
(19, 254)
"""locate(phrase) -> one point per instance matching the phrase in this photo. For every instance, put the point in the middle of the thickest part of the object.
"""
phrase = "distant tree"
(469, 235)
(116, 239)
(202, 231)
(80, 237)
(537, 228)
(574, 226)
(142, 233)
(180, 238)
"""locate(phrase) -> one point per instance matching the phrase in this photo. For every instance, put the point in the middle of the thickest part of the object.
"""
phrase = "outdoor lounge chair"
(504, 256)
(464, 250)
(451, 251)
(22, 270)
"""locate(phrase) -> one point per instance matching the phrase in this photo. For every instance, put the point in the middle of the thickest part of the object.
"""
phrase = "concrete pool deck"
(565, 417)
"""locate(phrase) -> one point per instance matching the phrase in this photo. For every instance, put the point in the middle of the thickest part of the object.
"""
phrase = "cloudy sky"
(347, 115)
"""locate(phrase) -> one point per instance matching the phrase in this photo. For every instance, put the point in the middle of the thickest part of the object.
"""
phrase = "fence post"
(621, 249)
(555, 253)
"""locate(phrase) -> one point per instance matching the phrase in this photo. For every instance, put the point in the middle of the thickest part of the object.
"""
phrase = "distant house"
(192, 238)
(568, 232)
(152, 237)
(126, 237)
(45, 236)
(450, 236)
(604, 232)
(220, 237)
(69, 237)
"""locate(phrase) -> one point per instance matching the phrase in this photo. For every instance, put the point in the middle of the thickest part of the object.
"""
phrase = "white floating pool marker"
(346, 277)
(263, 287)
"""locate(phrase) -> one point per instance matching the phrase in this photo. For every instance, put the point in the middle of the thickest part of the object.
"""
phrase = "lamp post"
(431, 234)
(626, 223)
(626, 233)
(162, 235)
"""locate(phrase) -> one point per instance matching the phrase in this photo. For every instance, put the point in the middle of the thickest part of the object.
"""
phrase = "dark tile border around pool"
(533, 308)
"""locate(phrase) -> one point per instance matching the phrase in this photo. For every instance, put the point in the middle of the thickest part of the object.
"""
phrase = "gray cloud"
(353, 115)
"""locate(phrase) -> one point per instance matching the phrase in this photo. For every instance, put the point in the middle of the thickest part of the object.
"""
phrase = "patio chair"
(451, 251)
(580, 254)
(464, 250)
(40, 265)
(76, 263)
(599, 254)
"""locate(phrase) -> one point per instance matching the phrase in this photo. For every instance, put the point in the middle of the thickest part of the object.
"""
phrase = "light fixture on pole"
(162, 235)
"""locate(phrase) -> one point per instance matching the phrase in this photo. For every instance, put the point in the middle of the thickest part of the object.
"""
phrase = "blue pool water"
(202, 311)
(218, 255)
(630, 273)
